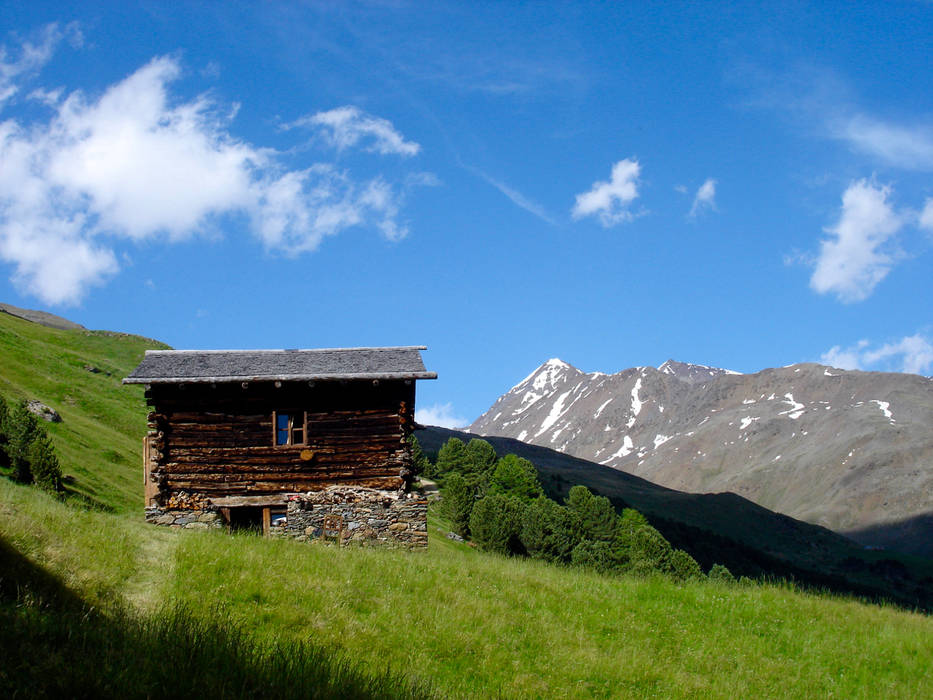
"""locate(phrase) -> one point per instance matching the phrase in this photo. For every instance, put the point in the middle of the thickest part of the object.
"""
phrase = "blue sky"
(611, 184)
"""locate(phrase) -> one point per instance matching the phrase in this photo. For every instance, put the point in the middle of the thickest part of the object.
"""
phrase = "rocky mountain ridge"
(848, 450)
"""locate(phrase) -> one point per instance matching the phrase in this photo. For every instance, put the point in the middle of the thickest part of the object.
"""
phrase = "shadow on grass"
(53, 645)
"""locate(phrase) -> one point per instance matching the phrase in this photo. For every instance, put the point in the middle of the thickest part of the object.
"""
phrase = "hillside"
(78, 373)
(727, 529)
(851, 451)
(463, 623)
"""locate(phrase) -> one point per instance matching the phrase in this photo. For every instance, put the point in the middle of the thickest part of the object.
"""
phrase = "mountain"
(851, 451)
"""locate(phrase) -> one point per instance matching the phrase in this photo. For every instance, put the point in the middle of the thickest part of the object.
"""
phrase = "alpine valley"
(849, 450)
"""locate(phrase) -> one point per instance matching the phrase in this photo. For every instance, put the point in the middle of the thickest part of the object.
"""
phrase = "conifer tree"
(420, 464)
(517, 477)
(481, 455)
(594, 517)
(452, 458)
(547, 530)
(496, 523)
(23, 429)
(4, 433)
(43, 463)
(457, 500)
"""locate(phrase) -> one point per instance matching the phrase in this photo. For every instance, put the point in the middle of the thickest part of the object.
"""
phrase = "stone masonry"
(188, 519)
(346, 515)
(352, 515)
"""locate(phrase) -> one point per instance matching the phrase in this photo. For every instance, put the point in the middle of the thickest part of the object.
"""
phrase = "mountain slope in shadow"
(727, 529)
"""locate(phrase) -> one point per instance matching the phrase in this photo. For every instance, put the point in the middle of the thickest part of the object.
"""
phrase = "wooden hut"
(236, 436)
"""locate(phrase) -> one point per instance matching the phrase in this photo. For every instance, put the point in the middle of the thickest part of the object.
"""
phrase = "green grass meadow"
(95, 603)
(458, 623)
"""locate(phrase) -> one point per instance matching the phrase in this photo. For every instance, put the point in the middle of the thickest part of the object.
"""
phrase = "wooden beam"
(266, 520)
(239, 501)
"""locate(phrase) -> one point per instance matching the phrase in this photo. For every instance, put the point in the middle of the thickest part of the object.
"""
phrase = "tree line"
(500, 505)
(26, 452)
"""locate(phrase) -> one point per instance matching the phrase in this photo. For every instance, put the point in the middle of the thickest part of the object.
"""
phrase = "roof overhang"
(279, 378)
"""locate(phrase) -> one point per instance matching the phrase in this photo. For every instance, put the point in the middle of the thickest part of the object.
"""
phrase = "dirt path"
(155, 567)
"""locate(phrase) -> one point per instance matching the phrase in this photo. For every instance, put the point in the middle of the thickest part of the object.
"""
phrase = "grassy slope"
(470, 623)
(474, 624)
(99, 440)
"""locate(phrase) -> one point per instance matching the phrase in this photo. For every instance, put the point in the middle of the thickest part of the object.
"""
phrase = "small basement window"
(289, 427)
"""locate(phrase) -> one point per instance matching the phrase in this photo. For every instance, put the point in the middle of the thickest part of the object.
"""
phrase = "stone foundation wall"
(200, 519)
(342, 514)
(351, 515)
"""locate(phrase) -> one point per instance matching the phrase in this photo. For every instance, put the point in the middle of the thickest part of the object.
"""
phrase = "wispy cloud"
(912, 354)
(926, 216)
(441, 415)
(138, 163)
(705, 198)
(31, 55)
(908, 147)
(516, 197)
(347, 126)
(822, 103)
(610, 200)
(854, 259)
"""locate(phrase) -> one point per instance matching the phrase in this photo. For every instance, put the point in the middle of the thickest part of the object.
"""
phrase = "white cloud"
(848, 358)
(705, 197)
(926, 216)
(33, 54)
(441, 415)
(909, 147)
(610, 200)
(346, 126)
(136, 163)
(853, 260)
(912, 354)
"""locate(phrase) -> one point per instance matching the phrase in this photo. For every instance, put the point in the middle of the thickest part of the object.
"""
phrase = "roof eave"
(281, 378)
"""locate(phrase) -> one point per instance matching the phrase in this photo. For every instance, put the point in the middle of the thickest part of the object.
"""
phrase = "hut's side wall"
(216, 442)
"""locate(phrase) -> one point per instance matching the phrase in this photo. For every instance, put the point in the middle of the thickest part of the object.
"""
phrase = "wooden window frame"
(292, 415)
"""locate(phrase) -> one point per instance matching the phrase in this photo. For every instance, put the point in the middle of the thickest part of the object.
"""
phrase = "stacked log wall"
(217, 441)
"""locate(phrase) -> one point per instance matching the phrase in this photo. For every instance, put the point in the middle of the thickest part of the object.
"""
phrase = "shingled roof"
(193, 366)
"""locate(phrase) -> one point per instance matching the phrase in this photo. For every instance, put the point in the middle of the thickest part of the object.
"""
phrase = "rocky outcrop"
(46, 413)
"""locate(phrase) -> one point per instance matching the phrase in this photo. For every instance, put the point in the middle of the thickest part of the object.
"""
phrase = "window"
(289, 427)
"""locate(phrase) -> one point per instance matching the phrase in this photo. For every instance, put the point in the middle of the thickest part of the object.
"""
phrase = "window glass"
(281, 429)
(290, 428)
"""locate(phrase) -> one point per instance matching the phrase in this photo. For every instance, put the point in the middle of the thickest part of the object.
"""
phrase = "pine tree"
(547, 530)
(4, 434)
(23, 429)
(594, 517)
(721, 574)
(452, 458)
(43, 463)
(420, 464)
(517, 477)
(481, 456)
(457, 500)
(496, 523)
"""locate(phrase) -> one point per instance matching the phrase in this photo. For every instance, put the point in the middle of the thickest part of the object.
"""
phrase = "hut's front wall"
(217, 442)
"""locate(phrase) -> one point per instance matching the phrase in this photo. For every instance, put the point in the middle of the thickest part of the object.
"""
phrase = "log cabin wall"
(216, 441)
